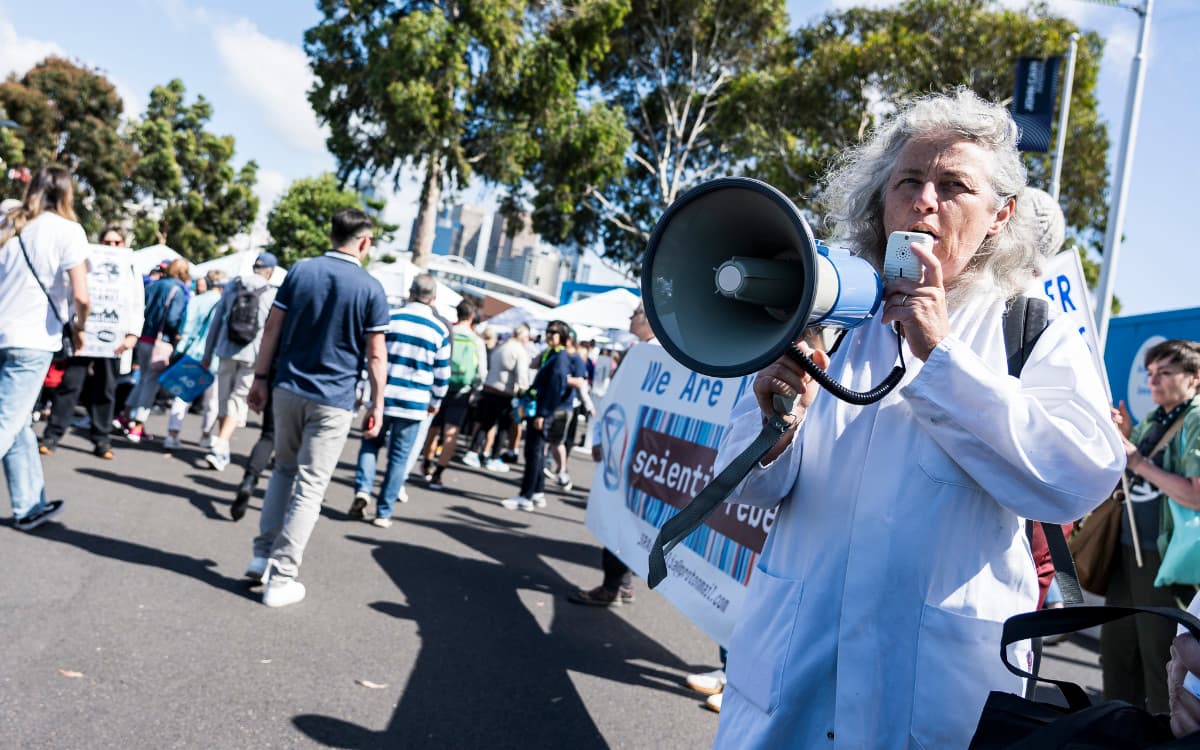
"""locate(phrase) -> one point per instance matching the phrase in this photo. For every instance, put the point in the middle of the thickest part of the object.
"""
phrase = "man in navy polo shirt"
(328, 317)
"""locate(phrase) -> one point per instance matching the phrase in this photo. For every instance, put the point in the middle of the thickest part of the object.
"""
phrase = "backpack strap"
(1024, 321)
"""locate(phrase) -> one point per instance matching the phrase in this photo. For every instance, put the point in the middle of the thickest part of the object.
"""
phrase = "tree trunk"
(421, 242)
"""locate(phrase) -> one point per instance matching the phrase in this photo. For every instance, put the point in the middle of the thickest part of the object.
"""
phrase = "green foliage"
(787, 122)
(607, 174)
(189, 194)
(457, 88)
(299, 223)
(70, 116)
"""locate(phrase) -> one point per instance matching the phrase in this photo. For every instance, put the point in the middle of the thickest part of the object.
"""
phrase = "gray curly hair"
(853, 196)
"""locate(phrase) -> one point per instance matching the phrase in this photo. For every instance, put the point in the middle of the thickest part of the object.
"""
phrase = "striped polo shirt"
(418, 352)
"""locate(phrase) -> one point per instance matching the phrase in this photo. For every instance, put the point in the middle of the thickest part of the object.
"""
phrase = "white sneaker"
(206, 442)
(496, 465)
(713, 703)
(472, 459)
(403, 496)
(549, 473)
(564, 481)
(383, 523)
(517, 503)
(217, 460)
(709, 683)
(538, 499)
(171, 443)
(280, 592)
(257, 568)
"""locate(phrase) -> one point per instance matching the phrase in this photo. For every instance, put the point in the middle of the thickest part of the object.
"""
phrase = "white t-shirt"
(55, 245)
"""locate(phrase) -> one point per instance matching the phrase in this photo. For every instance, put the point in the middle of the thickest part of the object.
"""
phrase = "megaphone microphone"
(731, 277)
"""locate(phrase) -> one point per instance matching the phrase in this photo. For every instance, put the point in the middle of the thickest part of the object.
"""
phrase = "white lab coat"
(873, 619)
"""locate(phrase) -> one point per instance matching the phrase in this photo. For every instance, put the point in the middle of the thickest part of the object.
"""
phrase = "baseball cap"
(266, 260)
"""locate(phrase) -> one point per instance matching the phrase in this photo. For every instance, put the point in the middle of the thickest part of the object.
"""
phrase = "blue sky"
(246, 58)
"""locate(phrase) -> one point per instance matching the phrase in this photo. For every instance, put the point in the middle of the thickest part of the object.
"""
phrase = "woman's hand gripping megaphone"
(784, 388)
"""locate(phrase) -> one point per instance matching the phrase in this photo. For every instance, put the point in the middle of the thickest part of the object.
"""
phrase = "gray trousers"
(309, 438)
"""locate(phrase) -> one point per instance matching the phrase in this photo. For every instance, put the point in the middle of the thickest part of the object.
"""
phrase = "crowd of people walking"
(326, 345)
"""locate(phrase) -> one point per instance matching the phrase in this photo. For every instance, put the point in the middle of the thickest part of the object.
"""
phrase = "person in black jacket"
(552, 391)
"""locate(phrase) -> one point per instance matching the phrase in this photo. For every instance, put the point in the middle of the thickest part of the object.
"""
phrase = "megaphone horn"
(732, 276)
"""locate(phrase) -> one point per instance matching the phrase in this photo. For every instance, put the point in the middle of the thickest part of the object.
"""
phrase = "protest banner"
(660, 426)
(109, 272)
(1063, 285)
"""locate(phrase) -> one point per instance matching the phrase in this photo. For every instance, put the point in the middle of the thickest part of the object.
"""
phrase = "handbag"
(1094, 544)
(185, 379)
(67, 350)
(160, 354)
(1010, 722)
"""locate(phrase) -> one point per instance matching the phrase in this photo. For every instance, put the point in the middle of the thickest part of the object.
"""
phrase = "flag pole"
(1063, 114)
(1116, 210)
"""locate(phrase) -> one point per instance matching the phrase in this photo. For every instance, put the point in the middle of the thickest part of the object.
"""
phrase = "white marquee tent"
(237, 264)
(397, 278)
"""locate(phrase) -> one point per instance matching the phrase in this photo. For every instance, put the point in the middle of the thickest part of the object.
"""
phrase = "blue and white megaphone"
(732, 276)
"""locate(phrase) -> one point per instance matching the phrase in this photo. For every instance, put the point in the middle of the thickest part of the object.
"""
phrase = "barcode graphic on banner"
(671, 461)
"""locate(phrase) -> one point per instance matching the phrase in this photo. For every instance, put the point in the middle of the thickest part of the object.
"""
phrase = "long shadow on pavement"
(206, 504)
(140, 554)
(488, 674)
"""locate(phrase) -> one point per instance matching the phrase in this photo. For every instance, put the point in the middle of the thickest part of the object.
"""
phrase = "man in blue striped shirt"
(418, 374)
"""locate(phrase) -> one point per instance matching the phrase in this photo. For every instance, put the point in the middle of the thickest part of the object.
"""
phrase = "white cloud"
(270, 186)
(276, 76)
(18, 55)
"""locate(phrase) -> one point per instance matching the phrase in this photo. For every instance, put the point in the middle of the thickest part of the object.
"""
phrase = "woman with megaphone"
(874, 617)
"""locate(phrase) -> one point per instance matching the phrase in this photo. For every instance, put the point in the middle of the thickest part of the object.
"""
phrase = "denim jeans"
(368, 457)
(402, 443)
(21, 374)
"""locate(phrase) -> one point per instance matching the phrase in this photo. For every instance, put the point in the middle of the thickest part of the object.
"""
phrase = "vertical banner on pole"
(1033, 101)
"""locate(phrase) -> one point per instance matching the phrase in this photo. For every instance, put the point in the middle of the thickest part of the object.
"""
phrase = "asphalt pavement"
(127, 622)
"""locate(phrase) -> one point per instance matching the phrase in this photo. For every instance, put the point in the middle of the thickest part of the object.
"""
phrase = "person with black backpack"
(234, 336)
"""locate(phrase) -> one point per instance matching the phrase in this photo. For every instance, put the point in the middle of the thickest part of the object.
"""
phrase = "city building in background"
(459, 232)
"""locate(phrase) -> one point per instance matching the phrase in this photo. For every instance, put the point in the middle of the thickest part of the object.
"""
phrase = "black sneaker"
(37, 518)
(435, 480)
(244, 493)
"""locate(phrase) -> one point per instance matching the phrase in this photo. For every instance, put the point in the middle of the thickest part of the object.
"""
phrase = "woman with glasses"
(1134, 652)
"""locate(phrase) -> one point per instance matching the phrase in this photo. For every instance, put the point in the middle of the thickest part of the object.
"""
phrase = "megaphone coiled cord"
(859, 398)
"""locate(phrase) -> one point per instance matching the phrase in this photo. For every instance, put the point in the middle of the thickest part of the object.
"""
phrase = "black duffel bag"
(1010, 722)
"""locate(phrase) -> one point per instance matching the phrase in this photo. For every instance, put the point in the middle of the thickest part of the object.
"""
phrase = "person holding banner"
(116, 292)
(617, 586)
(874, 616)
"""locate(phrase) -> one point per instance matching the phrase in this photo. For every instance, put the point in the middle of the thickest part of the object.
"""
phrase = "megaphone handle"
(859, 398)
(783, 404)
